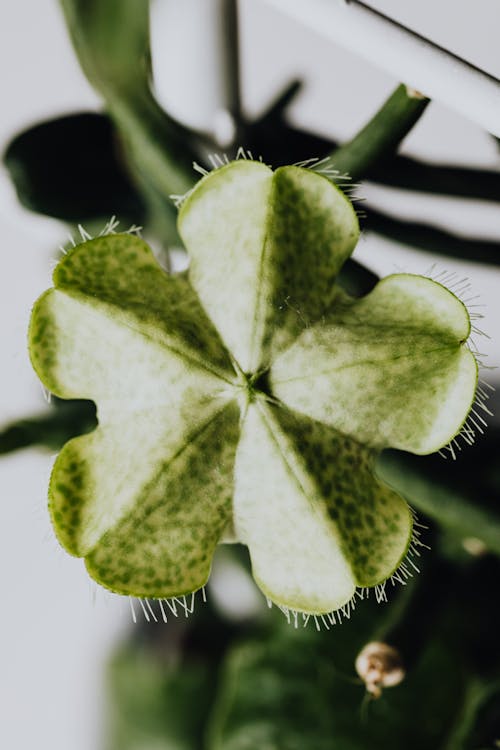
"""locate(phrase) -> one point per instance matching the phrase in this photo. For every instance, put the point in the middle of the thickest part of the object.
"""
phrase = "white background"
(55, 630)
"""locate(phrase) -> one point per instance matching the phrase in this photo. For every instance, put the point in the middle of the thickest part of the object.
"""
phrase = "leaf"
(265, 249)
(146, 497)
(118, 330)
(71, 168)
(163, 545)
(390, 369)
(286, 692)
(315, 528)
(156, 705)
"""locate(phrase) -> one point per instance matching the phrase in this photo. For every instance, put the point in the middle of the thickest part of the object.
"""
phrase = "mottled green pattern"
(121, 271)
(311, 231)
(88, 349)
(44, 342)
(252, 403)
(265, 268)
(316, 521)
(223, 225)
(391, 369)
(120, 331)
(164, 547)
(134, 444)
(280, 515)
(374, 523)
(69, 490)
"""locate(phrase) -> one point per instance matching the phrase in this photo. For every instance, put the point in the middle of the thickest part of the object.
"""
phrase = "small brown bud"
(379, 665)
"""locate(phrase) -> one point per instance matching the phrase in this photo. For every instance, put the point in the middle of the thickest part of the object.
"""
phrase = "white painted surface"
(395, 50)
(187, 40)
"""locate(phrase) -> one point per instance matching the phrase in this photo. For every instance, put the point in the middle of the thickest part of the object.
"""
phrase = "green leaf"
(390, 369)
(116, 280)
(118, 330)
(70, 168)
(310, 538)
(154, 704)
(286, 692)
(146, 497)
(162, 546)
(265, 249)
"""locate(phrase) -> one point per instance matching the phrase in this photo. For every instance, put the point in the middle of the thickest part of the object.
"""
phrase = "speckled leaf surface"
(265, 249)
(118, 330)
(164, 545)
(390, 369)
(310, 539)
(248, 399)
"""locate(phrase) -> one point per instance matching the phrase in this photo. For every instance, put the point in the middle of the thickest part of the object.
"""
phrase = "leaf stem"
(382, 135)
(111, 40)
(52, 430)
(452, 507)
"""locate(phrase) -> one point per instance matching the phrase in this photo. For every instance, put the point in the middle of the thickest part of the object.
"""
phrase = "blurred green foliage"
(277, 687)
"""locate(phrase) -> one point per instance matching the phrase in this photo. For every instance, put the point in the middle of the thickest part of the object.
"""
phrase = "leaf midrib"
(186, 356)
(360, 363)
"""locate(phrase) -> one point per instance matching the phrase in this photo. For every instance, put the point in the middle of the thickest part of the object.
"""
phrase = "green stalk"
(111, 40)
(51, 430)
(382, 135)
(452, 507)
(476, 695)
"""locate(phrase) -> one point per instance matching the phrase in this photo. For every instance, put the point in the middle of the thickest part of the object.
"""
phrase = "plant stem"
(382, 135)
(51, 430)
(111, 40)
(453, 508)
(272, 135)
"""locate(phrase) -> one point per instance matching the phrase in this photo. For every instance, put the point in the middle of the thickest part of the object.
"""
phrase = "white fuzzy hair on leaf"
(406, 570)
(161, 609)
(475, 422)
